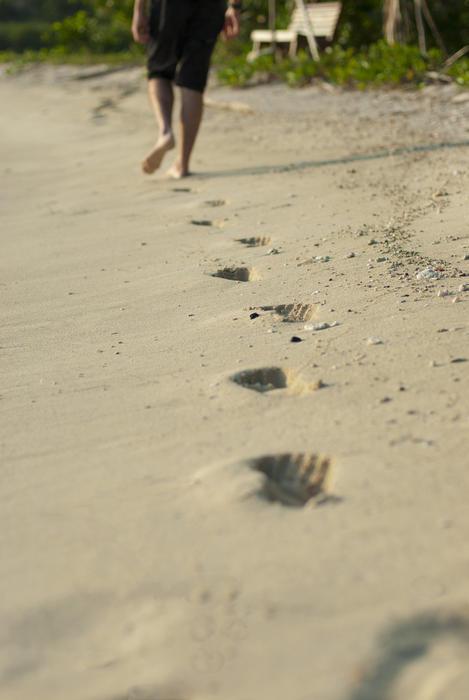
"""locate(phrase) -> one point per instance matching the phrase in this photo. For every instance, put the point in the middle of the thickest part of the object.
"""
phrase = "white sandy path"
(132, 557)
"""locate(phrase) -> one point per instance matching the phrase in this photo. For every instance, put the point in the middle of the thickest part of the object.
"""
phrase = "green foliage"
(20, 36)
(239, 71)
(20, 61)
(460, 72)
(378, 65)
(361, 23)
(38, 10)
(104, 26)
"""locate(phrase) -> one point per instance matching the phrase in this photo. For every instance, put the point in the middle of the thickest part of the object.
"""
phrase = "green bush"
(104, 26)
(20, 36)
(378, 65)
(85, 32)
(460, 72)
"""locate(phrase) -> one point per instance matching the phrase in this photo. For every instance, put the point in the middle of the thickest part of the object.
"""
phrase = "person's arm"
(140, 30)
(232, 20)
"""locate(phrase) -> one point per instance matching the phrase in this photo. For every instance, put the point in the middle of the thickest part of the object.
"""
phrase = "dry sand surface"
(153, 402)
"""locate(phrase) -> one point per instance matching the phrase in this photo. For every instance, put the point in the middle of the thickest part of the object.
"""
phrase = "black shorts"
(182, 37)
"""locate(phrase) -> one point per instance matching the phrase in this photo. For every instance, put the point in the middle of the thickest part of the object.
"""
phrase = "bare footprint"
(237, 274)
(217, 223)
(294, 313)
(271, 378)
(254, 241)
(215, 202)
(293, 479)
(202, 222)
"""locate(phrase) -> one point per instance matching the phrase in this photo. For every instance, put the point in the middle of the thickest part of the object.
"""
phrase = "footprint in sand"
(293, 479)
(254, 241)
(202, 222)
(237, 274)
(208, 222)
(215, 203)
(294, 313)
(271, 378)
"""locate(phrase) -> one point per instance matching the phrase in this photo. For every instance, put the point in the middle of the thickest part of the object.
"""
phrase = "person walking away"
(180, 36)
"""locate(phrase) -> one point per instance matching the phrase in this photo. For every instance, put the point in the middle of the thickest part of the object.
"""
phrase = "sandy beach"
(185, 363)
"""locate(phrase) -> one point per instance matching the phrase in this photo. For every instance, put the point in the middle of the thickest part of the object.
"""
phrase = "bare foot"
(153, 160)
(177, 172)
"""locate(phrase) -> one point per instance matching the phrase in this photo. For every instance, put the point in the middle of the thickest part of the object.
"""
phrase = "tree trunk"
(420, 26)
(392, 20)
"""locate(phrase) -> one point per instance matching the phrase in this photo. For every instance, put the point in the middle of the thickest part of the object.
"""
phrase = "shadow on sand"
(305, 164)
(404, 643)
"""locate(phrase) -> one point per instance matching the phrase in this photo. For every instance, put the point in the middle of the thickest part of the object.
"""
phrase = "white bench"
(323, 16)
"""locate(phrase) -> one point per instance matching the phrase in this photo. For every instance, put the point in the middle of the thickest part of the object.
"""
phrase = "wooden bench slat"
(266, 35)
(323, 17)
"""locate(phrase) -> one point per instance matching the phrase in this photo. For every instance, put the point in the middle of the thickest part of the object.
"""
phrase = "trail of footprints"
(291, 479)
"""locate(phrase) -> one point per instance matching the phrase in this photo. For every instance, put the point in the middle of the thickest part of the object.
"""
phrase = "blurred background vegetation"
(61, 29)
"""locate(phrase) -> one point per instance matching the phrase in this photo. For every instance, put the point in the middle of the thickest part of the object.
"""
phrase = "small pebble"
(381, 259)
(427, 274)
(463, 288)
(466, 257)
(254, 315)
(443, 293)
(455, 300)
(350, 255)
(273, 251)
(295, 339)
(374, 341)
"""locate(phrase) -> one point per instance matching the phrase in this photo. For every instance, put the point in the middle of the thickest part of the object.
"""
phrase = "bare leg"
(189, 122)
(161, 96)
